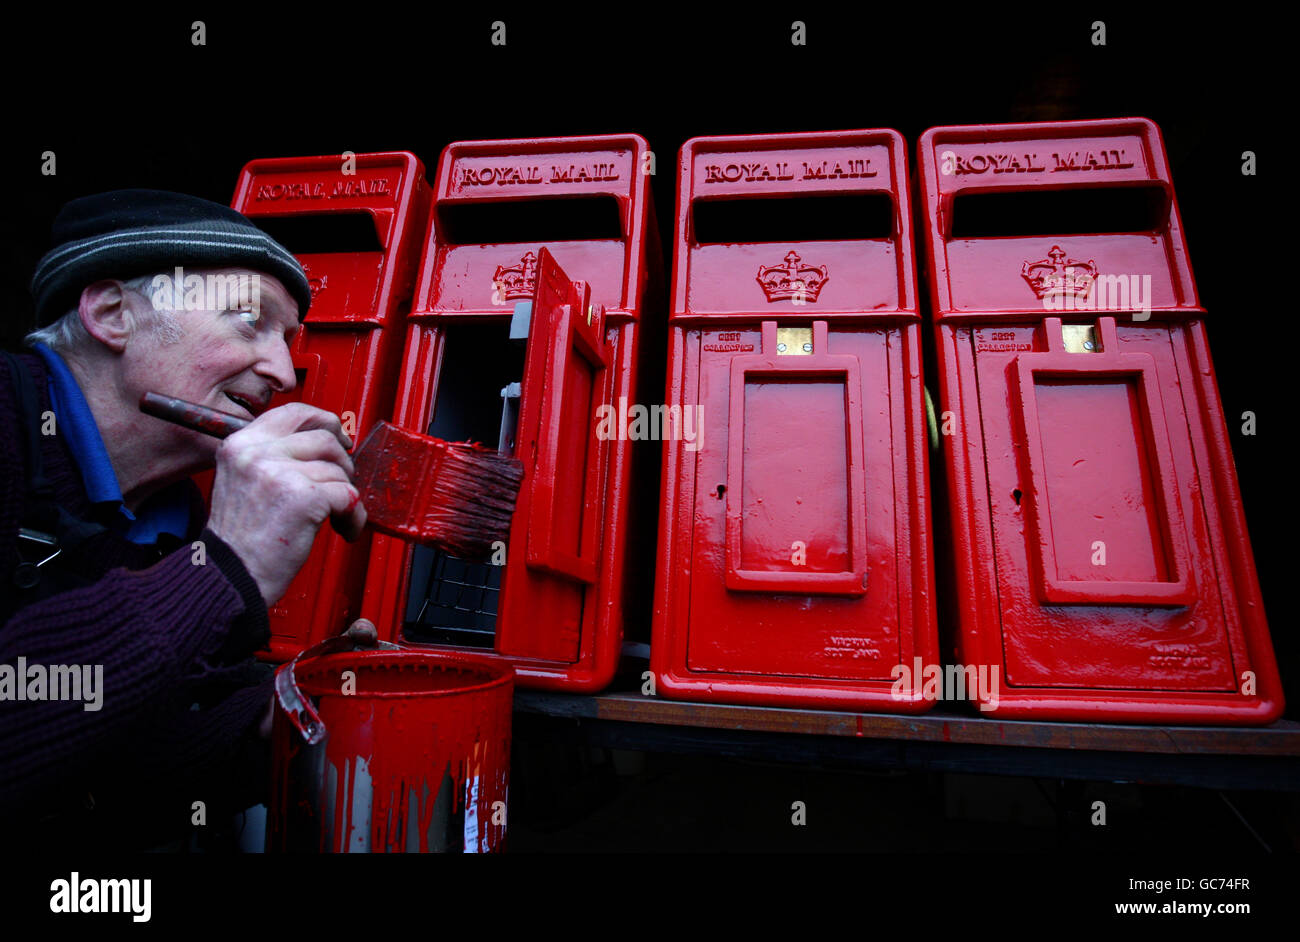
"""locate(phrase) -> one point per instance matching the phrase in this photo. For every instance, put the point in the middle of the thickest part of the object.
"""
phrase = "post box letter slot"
(343, 255)
(566, 468)
(795, 474)
(1078, 210)
(1105, 524)
(309, 369)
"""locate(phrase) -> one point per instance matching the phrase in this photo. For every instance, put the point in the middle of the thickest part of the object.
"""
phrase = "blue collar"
(168, 511)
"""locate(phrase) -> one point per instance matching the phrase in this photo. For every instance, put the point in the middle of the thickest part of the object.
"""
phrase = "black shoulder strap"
(28, 404)
(48, 529)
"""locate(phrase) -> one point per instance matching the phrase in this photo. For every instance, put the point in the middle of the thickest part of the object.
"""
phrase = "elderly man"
(111, 576)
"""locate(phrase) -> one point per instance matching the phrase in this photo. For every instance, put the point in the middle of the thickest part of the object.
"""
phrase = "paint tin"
(389, 750)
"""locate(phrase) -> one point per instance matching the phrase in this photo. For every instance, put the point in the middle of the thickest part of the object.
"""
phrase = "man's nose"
(277, 366)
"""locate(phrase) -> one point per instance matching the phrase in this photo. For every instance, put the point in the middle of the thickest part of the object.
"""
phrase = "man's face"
(232, 352)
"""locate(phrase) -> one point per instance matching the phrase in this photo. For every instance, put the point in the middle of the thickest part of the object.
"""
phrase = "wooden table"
(943, 740)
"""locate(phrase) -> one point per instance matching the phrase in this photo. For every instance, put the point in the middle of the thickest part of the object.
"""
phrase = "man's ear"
(105, 310)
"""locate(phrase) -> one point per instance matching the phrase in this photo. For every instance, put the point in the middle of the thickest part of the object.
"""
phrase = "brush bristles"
(458, 497)
(475, 500)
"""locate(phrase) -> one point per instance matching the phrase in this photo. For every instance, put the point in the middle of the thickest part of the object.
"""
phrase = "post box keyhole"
(1016, 495)
(722, 489)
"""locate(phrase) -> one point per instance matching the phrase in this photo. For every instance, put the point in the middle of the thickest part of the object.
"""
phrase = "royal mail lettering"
(533, 174)
(995, 162)
(309, 190)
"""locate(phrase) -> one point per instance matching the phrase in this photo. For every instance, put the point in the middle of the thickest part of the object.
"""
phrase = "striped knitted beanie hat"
(127, 233)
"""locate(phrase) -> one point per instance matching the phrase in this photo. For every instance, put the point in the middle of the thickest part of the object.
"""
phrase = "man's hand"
(363, 633)
(277, 481)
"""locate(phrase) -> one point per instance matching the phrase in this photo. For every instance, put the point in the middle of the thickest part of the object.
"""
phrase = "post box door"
(793, 547)
(559, 514)
(1098, 531)
(794, 473)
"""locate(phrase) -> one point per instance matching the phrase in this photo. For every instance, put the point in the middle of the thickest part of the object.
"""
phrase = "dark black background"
(125, 99)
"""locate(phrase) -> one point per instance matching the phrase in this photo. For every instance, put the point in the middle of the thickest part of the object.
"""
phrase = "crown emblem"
(316, 285)
(1057, 275)
(518, 282)
(792, 281)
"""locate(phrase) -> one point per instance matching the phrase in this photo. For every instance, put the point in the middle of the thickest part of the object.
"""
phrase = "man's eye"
(248, 317)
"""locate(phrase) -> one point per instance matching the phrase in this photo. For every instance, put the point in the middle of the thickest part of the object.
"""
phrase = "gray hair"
(68, 334)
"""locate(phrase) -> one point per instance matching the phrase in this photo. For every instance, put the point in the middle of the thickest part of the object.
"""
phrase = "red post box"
(527, 326)
(354, 222)
(794, 560)
(1101, 558)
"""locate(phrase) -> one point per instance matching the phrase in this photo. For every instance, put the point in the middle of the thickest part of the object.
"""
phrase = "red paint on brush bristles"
(457, 496)
(461, 496)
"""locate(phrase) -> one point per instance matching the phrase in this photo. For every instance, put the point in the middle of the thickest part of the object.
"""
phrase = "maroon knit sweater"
(170, 635)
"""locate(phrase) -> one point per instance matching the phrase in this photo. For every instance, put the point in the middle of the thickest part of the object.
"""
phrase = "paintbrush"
(456, 496)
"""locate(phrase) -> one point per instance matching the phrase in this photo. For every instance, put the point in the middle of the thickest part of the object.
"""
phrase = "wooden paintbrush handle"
(191, 415)
(219, 425)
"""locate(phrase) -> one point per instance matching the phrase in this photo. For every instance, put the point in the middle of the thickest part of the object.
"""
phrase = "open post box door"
(1100, 552)
(528, 328)
(561, 501)
(794, 562)
(354, 223)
